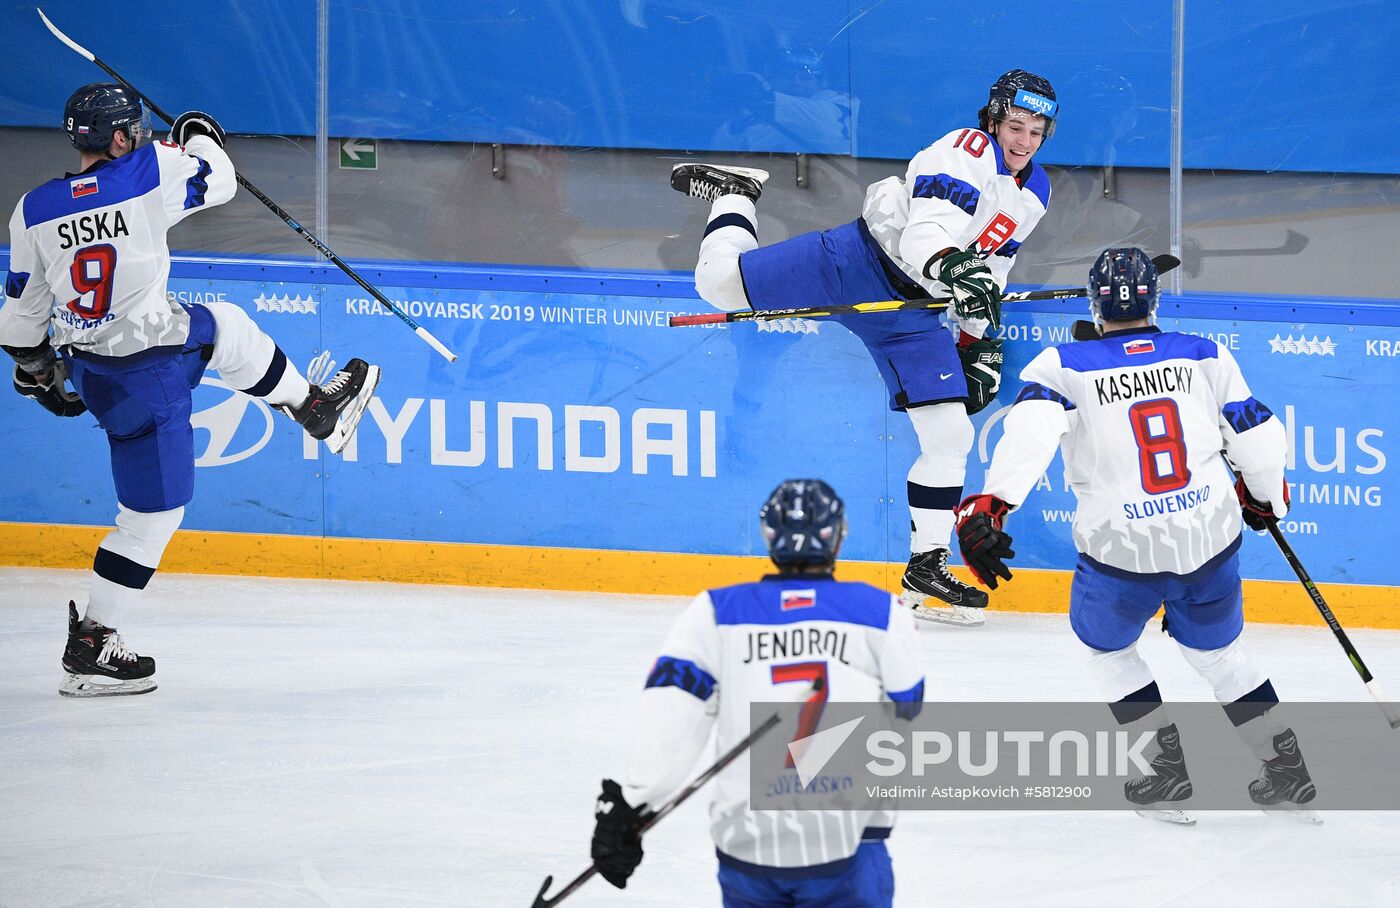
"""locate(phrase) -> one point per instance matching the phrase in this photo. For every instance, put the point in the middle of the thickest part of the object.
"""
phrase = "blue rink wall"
(576, 419)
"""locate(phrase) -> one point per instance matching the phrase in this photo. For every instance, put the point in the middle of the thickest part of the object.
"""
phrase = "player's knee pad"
(142, 536)
(945, 436)
(1229, 670)
(243, 356)
(717, 278)
(1120, 673)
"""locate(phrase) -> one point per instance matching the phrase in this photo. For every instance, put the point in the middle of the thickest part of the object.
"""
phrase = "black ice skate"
(936, 595)
(710, 181)
(332, 411)
(1171, 783)
(98, 664)
(1284, 778)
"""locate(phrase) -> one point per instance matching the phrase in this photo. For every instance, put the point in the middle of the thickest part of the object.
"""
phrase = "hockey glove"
(48, 389)
(975, 293)
(193, 123)
(985, 548)
(1256, 513)
(981, 361)
(617, 844)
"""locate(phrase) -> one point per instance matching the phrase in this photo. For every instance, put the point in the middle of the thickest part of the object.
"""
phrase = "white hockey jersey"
(88, 252)
(957, 192)
(765, 642)
(1143, 417)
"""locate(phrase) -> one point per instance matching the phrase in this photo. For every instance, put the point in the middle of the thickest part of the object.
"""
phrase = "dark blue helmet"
(1123, 286)
(94, 112)
(804, 522)
(1019, 88)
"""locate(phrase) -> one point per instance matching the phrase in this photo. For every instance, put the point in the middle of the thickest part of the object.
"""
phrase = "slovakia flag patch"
(84, 186)
(798, 599)
(1138, 346)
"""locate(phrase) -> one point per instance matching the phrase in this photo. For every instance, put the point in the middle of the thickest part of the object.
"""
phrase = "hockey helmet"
(94, 112)
(1019, 88)
(804, 522)
(1123, 286)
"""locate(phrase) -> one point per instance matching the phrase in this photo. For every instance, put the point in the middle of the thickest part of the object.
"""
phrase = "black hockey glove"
(196, 123)
(1256, 513)
(985, 548)
(975, 292)
(48, 389)
(981, 362)
(617, 844)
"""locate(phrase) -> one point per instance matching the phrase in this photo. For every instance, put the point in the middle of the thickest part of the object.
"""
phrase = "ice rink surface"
(322, 743)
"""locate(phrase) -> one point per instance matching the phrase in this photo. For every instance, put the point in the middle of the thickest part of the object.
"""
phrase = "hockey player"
(952, 225)
(88, 267)
(709, 671)
(1142, 417)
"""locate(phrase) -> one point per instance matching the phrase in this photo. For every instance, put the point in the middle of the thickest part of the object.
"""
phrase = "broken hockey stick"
(258, 194)
(1353, 656)
(1164, 262)
(651, 818)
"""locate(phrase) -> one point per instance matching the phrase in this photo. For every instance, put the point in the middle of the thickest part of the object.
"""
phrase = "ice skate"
(710, 181)
(331, 412)
(1284, 783)
(98, 664)
(936, 595)
(1169, 784)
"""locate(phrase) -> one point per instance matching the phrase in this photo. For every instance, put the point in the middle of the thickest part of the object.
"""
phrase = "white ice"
(321, 743)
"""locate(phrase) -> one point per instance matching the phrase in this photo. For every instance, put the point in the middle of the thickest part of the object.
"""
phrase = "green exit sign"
(359, 154)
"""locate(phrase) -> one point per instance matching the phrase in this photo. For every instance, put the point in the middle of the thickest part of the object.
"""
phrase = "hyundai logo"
(229, 440)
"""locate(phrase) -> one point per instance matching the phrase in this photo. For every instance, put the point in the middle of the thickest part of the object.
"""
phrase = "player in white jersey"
(753, 643)
(952, 225)
(1146, 421)
(88, 267)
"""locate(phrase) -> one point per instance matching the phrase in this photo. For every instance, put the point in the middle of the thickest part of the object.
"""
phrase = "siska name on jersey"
(104, 225)
(795, 642)
(1151, 383)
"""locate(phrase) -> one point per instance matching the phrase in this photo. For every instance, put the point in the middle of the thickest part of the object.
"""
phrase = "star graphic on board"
(1275, 344)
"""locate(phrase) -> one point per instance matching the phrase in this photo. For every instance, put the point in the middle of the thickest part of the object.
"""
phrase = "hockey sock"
(731, 231)
(249, 361)
(126, 560)
(1243, 691)
(936, 478)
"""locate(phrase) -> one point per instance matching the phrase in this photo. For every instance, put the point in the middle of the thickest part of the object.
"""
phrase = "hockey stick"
(257, 193)
(1164, 262)
(651, 819)
(1355, 658)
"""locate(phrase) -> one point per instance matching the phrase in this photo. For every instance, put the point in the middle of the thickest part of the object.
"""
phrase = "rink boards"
(579, 443)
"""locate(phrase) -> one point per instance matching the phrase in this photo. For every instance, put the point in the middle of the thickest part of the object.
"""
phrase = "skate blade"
(753, 173)
(952, 615)
(87, 686)
(349, 419)
(1294, 813)
(1171, 816)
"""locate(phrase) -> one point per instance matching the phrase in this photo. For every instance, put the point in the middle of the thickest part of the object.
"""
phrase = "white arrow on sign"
(352, 148)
